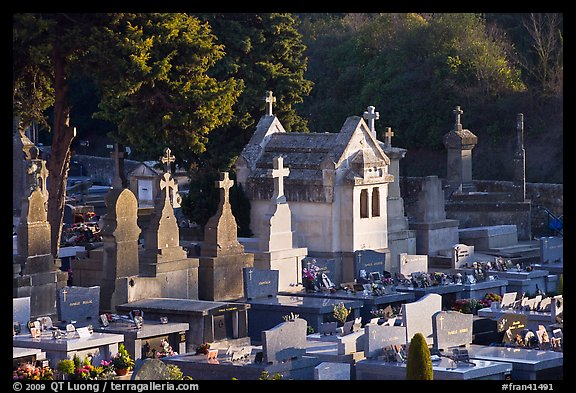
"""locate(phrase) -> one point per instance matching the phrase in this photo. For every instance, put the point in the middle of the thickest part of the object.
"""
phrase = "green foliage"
(341, 312)
(419, 363)
(122, 358)
(412, 67)
(175, 372)
(265, 376)
(66, 366)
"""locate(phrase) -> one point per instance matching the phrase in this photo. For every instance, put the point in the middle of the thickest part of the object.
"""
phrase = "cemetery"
(336, 283)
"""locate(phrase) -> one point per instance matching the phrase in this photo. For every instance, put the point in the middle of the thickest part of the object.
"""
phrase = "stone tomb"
(283, 351)
(21, 311)
(78, 305)
(101, 345)
(485, 238)
(220, 323)
(267, 308)
(144, 342)
(527, 364)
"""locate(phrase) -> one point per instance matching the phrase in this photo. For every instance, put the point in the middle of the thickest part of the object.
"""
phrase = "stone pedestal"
(222, 256)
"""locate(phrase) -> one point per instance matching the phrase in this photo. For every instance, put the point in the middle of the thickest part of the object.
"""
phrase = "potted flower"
(202, 349)
(27, 371)
(122, 361)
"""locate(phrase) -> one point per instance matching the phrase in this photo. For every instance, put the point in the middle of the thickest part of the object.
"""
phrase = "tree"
(419, 363)
(264, 52)
(152, 74)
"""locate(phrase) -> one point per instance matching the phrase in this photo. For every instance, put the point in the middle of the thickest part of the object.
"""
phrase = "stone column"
(519, 183)
(459, 143)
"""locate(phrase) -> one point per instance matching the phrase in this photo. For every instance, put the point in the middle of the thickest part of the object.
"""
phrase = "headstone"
(369, 261)
(79, 304)
(451, 329)
(551, 249)
(150, 370)
(331, 371)
(222, 256)
(21, 310)
(285, 341)
(417, 316)
(511, 324)
(377, 337)
(413, 263)
(508, 299)
(120, 233)
(328, 328)
(260, 283)
(485, 331)
(462, 255)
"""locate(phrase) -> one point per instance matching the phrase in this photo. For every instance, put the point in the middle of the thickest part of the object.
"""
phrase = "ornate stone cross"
(171, 186)
(278, 174)
(167, 159)
(457, 124)
(371, 116)
(388, 137)
(225, 183)
(270, 100)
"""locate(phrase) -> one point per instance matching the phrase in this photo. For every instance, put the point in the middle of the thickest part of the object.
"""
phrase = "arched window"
(364, 203)
(376, 202)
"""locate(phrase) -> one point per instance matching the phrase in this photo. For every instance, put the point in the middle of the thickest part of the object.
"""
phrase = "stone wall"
(101, 169)
(549, 196)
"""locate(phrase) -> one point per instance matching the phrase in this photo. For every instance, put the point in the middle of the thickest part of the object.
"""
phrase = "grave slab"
(101, 345)
(373, 369)
(527, 364)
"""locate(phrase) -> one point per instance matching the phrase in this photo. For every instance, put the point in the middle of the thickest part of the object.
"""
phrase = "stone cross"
(458, 112)
(388, 137)
(37, 169)
(118, 157)
(278, 174)
(171, 186)
(371, 116)
(225, 184)
(167, 159)
(270, 100)
(520, 130)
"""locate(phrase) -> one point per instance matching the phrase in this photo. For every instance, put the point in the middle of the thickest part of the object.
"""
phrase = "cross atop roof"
(270, 100)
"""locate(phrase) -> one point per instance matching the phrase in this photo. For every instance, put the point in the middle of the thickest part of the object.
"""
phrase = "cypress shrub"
(419, 364)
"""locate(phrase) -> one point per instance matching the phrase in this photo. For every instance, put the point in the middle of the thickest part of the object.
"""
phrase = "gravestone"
(485, 331)
(222, 256)
(511, 324)
(434, 232)
(369, 261)
(413, 263)
(451, 329)
(417, 316)
(462, 254)
(332, 371)
(260, 283)
(508, 299)
(551, 249)
(120, 233)
(36, 273)
(78, 304)
(21, 310)
(150, 370)
(277, 250)
(377, 337)
(163, 258)
(285, 341)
